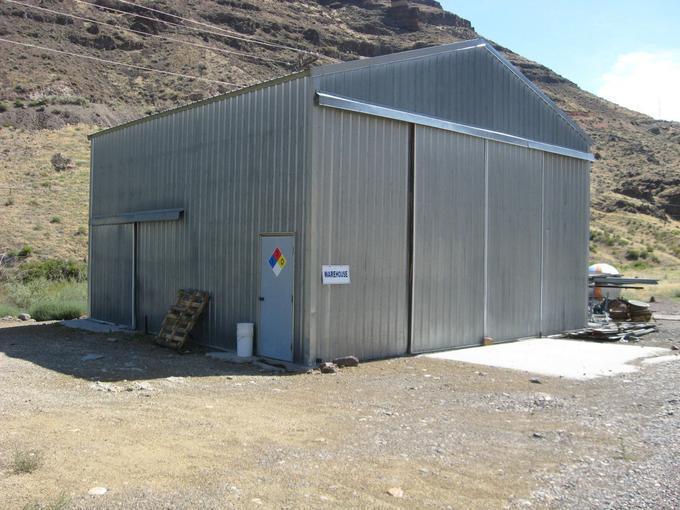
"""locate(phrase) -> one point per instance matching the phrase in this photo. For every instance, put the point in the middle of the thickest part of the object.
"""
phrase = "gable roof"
(430, 51)
(329, 69)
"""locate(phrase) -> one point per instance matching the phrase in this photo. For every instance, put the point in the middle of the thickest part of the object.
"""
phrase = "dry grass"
(669, 283)
(25, 461)
(38, 193)
(619, 232)
(60, 503)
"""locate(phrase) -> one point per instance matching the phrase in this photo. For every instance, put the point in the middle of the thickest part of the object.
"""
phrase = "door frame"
(258, 314)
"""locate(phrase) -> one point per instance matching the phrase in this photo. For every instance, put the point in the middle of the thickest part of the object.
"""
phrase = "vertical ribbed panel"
(359, 201)
(111, 273)
(514, 241)
(238, 168)
(565, 243)
(448, 263)
(468, 86)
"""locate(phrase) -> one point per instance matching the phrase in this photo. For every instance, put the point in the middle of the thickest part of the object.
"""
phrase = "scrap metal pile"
(615, 320)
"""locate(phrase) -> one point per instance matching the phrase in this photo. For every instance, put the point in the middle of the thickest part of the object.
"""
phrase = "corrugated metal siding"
(359, 202)
(468, 86)
(448, 271)
(238, 167)
(110, 277)
(514, 241)
(566, 185)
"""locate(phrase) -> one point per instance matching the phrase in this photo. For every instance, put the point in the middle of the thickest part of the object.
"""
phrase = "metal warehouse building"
(452, 193)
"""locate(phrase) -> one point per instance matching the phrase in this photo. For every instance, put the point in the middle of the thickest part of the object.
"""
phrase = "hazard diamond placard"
(277, 261)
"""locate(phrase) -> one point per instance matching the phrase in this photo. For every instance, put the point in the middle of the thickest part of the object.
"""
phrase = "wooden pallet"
(181, 318)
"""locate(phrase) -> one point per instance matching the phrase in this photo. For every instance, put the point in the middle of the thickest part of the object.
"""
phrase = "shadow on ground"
(111, 357)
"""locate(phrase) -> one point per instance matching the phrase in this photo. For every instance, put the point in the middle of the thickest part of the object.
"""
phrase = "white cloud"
(648, 82)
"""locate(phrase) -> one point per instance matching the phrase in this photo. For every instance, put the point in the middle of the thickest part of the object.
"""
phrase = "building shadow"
(111, 357)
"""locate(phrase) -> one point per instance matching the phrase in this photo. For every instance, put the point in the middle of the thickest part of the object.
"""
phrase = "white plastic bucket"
(244, 339)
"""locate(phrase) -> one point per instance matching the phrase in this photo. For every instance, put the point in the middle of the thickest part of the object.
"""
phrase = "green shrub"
(9, 201)
(37, 102)
(73, 100)
(53, 270)
(3, 107)
(640, 265)
(56, 310)
(18, 103)
(60, 162)
(632, 254)
(24, 295)
(6, 310)
(55, 219)
(26, 461)
(25, 251)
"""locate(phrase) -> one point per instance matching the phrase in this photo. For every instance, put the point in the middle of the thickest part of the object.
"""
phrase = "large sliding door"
(360, 218)
(111, 273)
(448, 240)
(514, 248)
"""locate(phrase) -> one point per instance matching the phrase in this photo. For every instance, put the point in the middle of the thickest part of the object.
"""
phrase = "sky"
(625, 51)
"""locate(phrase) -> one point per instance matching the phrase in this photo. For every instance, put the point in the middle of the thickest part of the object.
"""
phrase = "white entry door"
(277, 281)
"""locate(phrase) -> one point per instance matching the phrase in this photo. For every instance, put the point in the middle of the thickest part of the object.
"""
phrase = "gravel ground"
(162, 430)
(646, 421)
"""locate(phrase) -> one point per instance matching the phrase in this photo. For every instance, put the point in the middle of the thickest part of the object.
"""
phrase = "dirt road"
(162, 430)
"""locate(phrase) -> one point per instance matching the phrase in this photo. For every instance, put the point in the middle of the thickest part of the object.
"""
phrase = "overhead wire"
(209, 25)
(123, 64)
(139, 32)
(214, 29)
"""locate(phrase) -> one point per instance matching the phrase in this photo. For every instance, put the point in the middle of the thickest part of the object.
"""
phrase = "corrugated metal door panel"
(360, 172)
(514, 241)
(565, 244)
(448, 241)
(111, 269)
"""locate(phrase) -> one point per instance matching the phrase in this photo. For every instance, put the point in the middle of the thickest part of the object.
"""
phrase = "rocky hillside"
(636, 178)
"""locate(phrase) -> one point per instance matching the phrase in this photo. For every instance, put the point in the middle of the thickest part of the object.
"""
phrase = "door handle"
(261, 298)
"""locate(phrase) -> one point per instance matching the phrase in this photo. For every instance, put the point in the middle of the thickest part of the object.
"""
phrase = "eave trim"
(344, 103)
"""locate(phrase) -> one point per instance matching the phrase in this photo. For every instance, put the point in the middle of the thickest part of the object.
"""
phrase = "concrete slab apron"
(94, 326)
(556, 357)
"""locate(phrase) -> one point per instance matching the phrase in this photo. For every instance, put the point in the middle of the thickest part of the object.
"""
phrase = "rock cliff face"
(636, 177)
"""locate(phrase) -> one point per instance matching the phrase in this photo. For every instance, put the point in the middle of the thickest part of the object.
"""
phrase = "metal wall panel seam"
(89, 233)
(410, 233)
(133, 276)
(486, 238)
(540, 314)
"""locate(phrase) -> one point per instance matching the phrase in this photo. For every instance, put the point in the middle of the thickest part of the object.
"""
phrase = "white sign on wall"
(335, 275)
